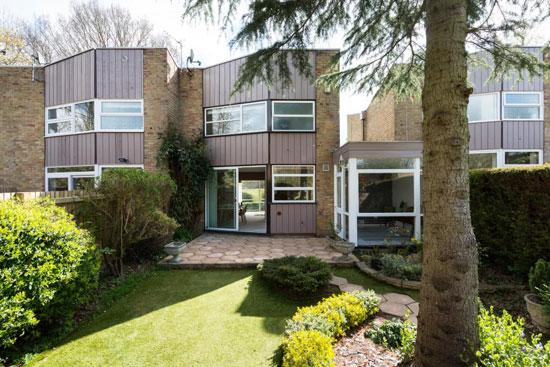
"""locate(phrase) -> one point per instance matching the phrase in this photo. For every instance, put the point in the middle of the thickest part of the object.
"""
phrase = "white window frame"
(96, 172)
(240, 118)
(498, 152)
(499, 107)
(273, 115)
(504, 151)
(97, 117)
(539, 105)
(273, 188)
(99, 114)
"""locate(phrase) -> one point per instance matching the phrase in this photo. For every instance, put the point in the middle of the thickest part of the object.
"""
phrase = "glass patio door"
(222, 199)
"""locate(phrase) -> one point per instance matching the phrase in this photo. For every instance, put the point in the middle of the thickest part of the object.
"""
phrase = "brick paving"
(227, 250)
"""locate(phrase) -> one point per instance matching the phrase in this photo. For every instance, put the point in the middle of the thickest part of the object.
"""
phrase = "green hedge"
(47, 268)
(511, 215)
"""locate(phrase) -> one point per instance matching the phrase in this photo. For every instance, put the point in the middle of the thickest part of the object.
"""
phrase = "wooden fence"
(66, 199)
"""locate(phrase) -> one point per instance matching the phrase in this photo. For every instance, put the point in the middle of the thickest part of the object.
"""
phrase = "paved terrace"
(226, 250)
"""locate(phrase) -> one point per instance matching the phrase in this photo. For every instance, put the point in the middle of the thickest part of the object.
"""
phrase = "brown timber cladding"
(238, 150)
(293, 218)
(119, 74)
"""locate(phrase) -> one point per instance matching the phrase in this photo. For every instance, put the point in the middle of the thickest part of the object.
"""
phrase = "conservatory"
(377, 190)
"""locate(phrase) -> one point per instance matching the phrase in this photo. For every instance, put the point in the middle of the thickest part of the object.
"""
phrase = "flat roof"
(378, 149)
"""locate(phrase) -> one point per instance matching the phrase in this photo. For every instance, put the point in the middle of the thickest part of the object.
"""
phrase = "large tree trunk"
(448, 299)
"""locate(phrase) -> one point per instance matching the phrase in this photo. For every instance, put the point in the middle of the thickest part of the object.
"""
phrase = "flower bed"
(310, 334)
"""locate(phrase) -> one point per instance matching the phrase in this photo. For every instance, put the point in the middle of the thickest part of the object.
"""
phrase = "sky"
(210, 46)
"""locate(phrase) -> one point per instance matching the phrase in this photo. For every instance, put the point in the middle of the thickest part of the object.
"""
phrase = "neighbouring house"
(64, 123)
(377, 181)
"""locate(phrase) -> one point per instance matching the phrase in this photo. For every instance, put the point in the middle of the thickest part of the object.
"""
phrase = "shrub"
(126, 207)
(299, 275)
(509, 209)
(189, 167)
(306, 349)
(183, 234)
(544, 294)
(503, 343)
(47, 268)
(539, 275)
(401, 267)
(397, 335)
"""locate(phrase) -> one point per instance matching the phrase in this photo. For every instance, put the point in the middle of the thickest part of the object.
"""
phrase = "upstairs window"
(483, 107)
(522, 106)
(59, 120)
(293, 116)
(235, 119)
(121, 115)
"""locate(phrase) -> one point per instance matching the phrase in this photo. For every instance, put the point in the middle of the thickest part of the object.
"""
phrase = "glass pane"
(71, 169)
(521, 98)
(84, 116)
(485, 160)
(121, 122)
(483, 107)
(105, 169)
(226, 127)
(390, 163)
(59, 113)
(386, 192)
(293, 181)
(58, 184)
(339, 192)
(521, 158)
(254, 117)
(384, 231)
(293, 123)
(289, 108)
(121, 107)
(80, 183)
(338, 228)
(224, 113)
(292, 170)
(346, 196)
(519, 113)
(221, 199)
(59, 127)
(294, 195)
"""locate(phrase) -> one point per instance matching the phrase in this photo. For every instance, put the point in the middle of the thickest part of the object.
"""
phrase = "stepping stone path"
(395, 304)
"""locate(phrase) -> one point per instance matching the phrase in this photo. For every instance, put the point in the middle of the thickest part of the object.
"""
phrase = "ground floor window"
(504, 158)
(293, 183)
(69, 178)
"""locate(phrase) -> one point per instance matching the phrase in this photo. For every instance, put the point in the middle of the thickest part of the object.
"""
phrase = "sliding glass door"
(221, 199)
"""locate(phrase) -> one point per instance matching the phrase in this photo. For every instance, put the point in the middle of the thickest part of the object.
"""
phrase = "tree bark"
(448, 298)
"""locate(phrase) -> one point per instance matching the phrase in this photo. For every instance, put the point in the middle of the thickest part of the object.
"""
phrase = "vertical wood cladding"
(119, 74)
(292, 148)
(218, 82)
(236, 150)
(70, 80)
(523, 134)
(485, 135)
(112, 146)
(293, 218)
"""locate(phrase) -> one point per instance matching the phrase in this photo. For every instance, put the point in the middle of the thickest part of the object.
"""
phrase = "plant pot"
(175, 249)
(538, 314)
(343, 247)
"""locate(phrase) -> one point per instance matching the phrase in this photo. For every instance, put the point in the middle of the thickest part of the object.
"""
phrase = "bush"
(401, 267)
(310, 333)
(397, 335)
(127, 207)
(299, 275)
(306, 349)
(509, 209)
(539, 275)
(48, 266)
(503, 343)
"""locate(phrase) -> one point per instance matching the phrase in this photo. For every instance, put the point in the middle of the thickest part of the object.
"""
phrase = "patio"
(227, 250)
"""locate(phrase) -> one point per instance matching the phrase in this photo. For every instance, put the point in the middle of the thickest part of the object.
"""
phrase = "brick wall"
(380, 124)
(191, 117)
(160, 100)
(547, 112)
(21, 130)
(327, 126)
(408, 120)
(355, 128)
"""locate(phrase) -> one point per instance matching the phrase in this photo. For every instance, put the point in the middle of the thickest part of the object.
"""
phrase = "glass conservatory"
(377, 188)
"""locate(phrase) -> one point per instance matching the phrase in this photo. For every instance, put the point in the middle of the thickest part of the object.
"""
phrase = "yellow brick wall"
(191, 116)
(21, 130)
(355, 128)
(380, 124)
(327, 139)
(408, 120)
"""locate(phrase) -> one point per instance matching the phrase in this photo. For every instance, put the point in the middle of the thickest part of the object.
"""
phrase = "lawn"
(189, 318)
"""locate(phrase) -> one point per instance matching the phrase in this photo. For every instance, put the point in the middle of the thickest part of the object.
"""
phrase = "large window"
(293, 183)
(503, 158)
(483, 160)
(235, 119)
(517, 158)
(68, 178)
(293, 116)
(483, 107)
(96, 115)
(522, 106)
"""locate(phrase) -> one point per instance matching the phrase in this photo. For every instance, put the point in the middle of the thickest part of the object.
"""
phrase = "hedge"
(510, 210)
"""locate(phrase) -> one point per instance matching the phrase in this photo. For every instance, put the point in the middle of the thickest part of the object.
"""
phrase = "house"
(378, 171)
(65, 123)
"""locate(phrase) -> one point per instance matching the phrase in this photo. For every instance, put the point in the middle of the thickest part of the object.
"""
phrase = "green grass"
(188, 318)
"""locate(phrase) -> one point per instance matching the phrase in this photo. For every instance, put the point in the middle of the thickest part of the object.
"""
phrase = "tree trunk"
(448, 298)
